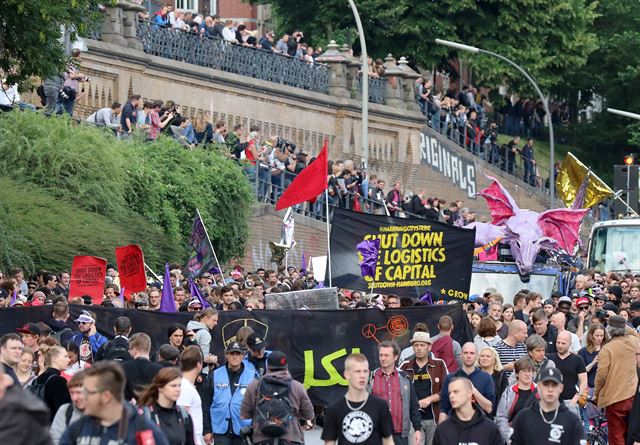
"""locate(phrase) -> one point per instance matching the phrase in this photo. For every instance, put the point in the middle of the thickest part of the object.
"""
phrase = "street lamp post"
(475, 50)
(365, 89)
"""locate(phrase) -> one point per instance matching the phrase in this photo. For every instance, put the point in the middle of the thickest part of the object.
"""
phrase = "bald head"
(518, 331)
(469, 352)
(563, 342)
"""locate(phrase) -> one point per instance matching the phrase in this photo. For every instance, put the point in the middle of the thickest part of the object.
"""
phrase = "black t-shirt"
(422, 383)
(367, 425)
(570, 367)
(524, 400)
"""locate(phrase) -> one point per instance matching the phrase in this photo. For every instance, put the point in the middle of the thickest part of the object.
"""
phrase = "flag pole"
(152, 272)
(326, 203)
(215, 257)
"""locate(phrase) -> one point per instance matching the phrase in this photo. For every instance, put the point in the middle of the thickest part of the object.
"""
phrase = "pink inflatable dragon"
(527, 232)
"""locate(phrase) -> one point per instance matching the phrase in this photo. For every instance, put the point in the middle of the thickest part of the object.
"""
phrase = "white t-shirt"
(190, 399)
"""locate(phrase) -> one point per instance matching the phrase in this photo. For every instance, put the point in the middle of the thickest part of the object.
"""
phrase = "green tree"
(30, 37)
(612, 74)
(546, 36)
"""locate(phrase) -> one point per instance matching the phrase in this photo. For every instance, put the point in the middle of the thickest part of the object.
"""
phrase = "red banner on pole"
(87, 277)
(130, 262)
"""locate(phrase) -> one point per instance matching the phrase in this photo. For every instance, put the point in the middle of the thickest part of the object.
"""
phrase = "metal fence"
(377, 87)
(529, 173)
(216, 53)
(268, 188)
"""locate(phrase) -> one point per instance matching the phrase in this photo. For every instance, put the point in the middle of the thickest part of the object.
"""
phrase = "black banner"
(416, 255)
(316, 342)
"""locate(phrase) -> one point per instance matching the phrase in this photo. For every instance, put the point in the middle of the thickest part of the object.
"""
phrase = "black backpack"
(37, 389)
(273, 407)
(117, 353)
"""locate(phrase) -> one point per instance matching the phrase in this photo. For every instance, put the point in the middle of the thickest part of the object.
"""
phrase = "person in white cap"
(88, 339)
(427, 374)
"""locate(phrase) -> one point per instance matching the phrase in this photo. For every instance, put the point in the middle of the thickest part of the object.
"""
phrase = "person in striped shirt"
(512, 348)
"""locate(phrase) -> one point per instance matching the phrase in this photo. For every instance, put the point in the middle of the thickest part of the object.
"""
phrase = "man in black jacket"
(23, 417)
(467, 423)
(548, 421)
(140, 371)
(118, 348)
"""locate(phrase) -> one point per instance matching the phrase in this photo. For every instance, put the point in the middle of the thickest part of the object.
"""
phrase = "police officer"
(227, 387)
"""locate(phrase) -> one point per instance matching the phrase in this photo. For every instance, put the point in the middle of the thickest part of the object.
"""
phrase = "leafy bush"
(160, 181)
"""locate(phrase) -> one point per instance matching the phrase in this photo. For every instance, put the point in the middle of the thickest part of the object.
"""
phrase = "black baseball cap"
(234, 347)
(30, 328)
(550, 375)
(276, 360)
(256, 343)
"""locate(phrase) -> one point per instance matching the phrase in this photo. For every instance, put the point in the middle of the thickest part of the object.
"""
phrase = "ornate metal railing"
(225, 56)
(376, 88)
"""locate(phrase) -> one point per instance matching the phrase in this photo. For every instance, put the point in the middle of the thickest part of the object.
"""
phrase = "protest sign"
(325, 298)
(316, 342)
(416, 255)
(130, 262)
(87, 277)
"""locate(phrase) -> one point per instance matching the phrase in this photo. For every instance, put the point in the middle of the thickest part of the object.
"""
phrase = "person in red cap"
(582, 321)
(30, 333)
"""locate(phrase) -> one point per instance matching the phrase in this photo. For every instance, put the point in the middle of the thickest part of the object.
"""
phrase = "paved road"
(313, 437)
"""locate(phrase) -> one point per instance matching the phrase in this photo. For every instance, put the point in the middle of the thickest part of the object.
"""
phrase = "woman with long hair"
(596, 338)
(177, 334)
(24, 369)
(75, 363)
(158, 404)
(507, 313)
(489, 362)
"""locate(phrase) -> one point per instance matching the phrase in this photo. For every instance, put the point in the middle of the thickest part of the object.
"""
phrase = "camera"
(283, 144)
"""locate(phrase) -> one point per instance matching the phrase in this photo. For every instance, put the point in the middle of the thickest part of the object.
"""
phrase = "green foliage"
(613, 73)
(546, 36)
(30, 38)
(160, 183)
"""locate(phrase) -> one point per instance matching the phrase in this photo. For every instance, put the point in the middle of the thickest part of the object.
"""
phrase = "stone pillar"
(394, 95)
(338, 70)
(353, 67)
(409, 84)
(112, 24)
(129, 24)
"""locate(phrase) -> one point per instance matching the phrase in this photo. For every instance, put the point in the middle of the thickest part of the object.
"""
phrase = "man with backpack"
(445, 347)
(276, 402)
(118, 348)
(61, 328)
(69, 412)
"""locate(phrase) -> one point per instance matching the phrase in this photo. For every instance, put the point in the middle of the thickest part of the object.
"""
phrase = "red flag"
(130, 261)
(311, 182)
(87, 277)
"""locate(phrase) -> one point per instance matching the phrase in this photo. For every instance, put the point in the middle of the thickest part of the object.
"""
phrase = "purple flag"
(121, 296)
(369, 250)
(201, 256)
(303, 267)
(168, 303)
(14, 297)
(195, 291)
(427, 297)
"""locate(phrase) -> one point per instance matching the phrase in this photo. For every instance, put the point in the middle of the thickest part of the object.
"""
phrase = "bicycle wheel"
(595, 438)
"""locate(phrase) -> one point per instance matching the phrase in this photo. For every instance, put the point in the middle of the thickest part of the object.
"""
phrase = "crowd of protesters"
(552, 364)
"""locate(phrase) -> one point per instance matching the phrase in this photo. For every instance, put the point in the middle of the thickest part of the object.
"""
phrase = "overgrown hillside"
(103, 193)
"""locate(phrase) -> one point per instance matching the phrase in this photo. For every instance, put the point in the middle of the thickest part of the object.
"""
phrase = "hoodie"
(530, 428)
(202, 337)
(89, 430)
(24, 418)
(479, 430)
(62, 330)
